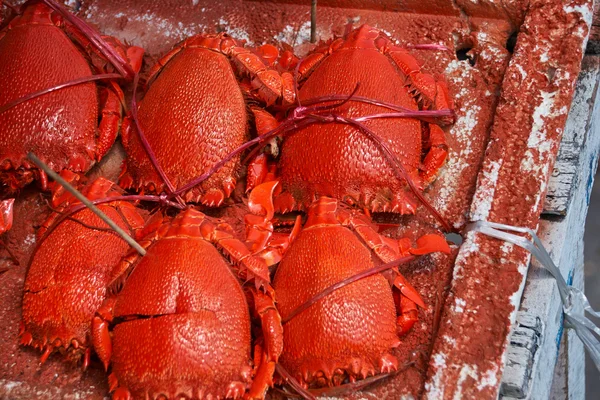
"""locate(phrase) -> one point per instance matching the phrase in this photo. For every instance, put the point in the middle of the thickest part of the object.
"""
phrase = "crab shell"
(194, 113)
(39, 51)
(183, 320)
(349, 333)
(339, 161)
(67, 278)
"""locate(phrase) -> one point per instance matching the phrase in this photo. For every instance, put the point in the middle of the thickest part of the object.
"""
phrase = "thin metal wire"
(87, 203)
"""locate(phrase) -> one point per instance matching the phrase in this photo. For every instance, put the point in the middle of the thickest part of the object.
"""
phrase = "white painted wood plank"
(562, 181)
(564, 239)
(569, 376)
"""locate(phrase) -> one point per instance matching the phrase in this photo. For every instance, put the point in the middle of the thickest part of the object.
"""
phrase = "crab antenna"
(146, 145)
(313, 21)
(397, 166)
(305, 394)
(74, 82)
(428, 46)
(342, 101)
(111, 54)
(328, 290)
(87, 203)
(445, 114)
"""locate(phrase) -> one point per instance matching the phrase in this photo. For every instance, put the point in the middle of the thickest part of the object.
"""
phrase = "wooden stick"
(87, 203)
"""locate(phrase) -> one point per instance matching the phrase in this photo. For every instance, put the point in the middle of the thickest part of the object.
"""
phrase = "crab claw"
(60, 195)
(429, 244)
(407, 290)
(6, 215)
(260, 201)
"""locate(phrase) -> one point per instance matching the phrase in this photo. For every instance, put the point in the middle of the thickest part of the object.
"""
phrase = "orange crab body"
(191, 326)
(67, 279)
(349, 333)
(194, 113)
(185, 316)
(336, 159)
(38, 51)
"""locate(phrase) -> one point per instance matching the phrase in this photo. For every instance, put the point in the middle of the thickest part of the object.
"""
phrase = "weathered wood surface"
(566, 167)
(594, 42)
(470, 351)
(532, 354)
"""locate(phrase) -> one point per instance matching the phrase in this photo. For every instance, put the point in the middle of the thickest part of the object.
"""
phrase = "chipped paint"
(434, 388)
(584, 9)
(485, 194)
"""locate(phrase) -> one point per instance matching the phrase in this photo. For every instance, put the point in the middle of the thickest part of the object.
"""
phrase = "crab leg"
(100, 335)
(109, 123)
(258, 167)
(6, 215)
(6, 221)
(407, 314)
(266, 357)
(388, 250)
(436, 156)
(263, 242)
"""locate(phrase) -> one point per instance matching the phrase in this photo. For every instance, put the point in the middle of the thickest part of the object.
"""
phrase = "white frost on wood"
(235, 32)
(564, 237)
(522, 72)
(466, 371)
(469, 246)
(583, 9)
(537, 137)
(587, 15)
(487, 186)
(294, 36)
(488, 378)
(534, 160)
(434, 388)
(459, 305)
(458, 74)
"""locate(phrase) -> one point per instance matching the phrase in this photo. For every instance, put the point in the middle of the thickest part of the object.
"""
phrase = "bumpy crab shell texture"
(338, 160)
(182, 323)
(349, 333)
(194, 113)
(68, 275)
(39, 51)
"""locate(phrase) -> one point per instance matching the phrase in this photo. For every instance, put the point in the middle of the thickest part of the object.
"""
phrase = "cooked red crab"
(349, 333)
(336, 159)
(195, 112)
(181, 324)
(70, 269)
(70, 128)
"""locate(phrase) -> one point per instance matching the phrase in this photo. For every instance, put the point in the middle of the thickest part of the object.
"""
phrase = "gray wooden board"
(566, 167)
(532, 356)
